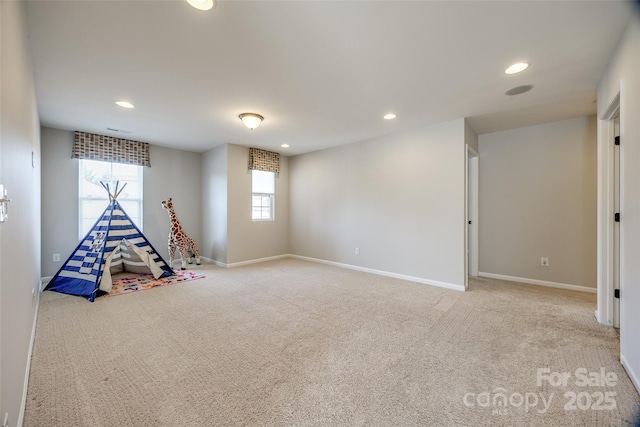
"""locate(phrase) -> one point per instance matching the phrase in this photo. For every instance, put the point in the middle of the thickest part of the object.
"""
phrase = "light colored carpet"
(295, 343)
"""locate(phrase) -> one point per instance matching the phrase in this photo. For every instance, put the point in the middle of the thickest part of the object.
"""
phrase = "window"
(263, 186)
(94, 198)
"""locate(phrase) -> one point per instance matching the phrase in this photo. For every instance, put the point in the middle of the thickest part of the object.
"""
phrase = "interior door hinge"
(617, 140)
(616, 217)
(616, 293)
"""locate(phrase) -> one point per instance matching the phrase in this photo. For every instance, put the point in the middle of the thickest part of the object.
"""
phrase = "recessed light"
(285, 146)
(202, 4)
(517, 68)
(125, 104)
(389, 116)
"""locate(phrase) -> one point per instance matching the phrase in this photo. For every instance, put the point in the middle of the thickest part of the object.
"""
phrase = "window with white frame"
(263, 186)
(93, 198)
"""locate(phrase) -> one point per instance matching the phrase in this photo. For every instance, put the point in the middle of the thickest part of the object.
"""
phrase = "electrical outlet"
(544, 261)
(357, 251)
(56, 257)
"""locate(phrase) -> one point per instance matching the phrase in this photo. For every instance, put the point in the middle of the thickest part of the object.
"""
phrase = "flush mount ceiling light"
(389, 116)
(284, 145)
(517, 68)
(251, 120)
(518, 90)
(125, 104)
(202, 4)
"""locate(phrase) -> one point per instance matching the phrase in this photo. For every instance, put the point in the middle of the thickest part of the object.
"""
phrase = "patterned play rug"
(140, 282)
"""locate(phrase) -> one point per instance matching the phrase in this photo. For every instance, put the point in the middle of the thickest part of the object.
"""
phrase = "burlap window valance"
(90, 146)
(263, 160)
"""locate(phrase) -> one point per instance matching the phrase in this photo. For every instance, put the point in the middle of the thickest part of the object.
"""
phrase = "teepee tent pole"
(117, 192)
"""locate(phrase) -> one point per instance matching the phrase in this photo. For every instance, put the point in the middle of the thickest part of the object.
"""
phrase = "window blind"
(263, 160)
(110, 149)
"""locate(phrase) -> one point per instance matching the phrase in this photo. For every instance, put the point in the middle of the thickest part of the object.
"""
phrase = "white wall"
(538, 198)
(173, 173)
(623, 76)
(400, 199)
(231, 235)
(214, 207)
(20, 236)
(176, 174)
(59, 198)
(248, 239)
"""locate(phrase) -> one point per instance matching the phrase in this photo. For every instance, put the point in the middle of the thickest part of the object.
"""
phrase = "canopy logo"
(499, 401)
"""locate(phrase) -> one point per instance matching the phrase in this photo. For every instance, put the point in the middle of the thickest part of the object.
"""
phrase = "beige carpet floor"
(295, 343)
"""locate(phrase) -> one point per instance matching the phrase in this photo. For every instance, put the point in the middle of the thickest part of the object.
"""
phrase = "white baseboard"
(203, 260)
(23, 405)
(255, 261)
(44, 281)
(212, 261)
(539, 282)
(241, 263)
(384, 273)
(632, 374)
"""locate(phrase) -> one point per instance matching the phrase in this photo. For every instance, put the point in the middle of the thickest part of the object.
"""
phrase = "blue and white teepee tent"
(113, 245)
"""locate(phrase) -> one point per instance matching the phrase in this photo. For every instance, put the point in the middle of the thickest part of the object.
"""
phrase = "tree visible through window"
(263, 195)
(93, 198)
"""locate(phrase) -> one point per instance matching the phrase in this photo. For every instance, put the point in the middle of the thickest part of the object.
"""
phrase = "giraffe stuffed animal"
(179, 239)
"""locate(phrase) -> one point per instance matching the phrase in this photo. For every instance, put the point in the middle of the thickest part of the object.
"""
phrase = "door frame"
(606, 129)
(617, 206)
(471, 214)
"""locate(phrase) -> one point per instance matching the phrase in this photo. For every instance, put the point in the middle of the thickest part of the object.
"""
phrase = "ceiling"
(322, 73)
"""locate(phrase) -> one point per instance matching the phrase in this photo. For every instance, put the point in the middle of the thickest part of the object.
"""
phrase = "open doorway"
(472, 214)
